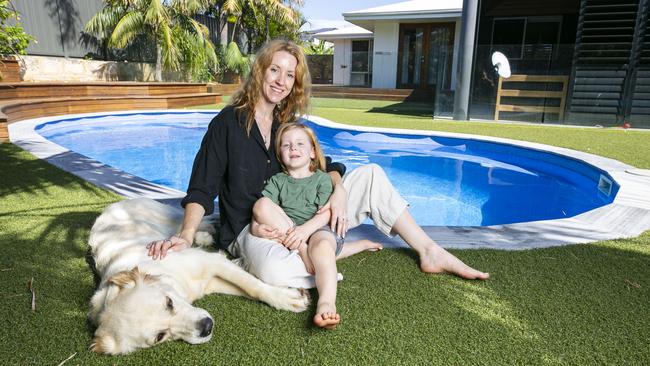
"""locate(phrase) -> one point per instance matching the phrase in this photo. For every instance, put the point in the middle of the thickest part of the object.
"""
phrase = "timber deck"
(23, 100)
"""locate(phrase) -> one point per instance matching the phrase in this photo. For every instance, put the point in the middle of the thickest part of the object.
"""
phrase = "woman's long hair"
(318, 162)
(295, 104)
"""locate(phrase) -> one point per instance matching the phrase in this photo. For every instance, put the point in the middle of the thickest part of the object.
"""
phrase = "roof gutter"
(446, 13)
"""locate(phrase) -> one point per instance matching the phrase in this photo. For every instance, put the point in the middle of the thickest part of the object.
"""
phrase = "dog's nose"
(205, 326)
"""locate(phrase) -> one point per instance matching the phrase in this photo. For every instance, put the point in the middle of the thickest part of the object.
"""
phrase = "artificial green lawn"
(581, 304)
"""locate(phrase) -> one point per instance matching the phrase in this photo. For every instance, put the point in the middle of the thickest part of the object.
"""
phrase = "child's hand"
(296, 236)
(266, 232)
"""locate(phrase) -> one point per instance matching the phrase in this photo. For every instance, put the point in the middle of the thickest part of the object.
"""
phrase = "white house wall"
(342, 61)
(384, 58)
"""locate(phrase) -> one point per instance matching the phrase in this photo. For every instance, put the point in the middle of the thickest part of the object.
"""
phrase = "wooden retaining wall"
(10, 70)
(19, 101)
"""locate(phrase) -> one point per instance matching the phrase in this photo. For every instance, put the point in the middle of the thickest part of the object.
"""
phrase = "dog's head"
(136, 310)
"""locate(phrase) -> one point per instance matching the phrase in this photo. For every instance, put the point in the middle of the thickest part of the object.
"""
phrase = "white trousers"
(370, 195)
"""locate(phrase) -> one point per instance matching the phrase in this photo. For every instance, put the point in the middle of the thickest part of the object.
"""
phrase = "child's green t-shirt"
(299, 198)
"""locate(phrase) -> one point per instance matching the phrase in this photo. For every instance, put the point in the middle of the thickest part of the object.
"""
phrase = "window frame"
(530, 19)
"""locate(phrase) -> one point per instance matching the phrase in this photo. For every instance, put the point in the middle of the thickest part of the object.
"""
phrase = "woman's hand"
(338, 206)
(158, 249)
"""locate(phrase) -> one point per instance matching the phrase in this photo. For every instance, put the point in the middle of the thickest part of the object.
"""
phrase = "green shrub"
(13, 39)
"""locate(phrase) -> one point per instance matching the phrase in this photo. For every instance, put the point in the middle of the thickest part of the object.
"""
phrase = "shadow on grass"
(22, 173)
(414, 109)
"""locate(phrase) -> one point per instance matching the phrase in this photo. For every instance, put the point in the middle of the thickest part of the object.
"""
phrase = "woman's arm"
(206, 179)
(191, 219)
(338, 202)
(337, 205)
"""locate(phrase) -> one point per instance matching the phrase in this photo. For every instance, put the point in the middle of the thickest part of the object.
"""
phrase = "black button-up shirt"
(235, 167)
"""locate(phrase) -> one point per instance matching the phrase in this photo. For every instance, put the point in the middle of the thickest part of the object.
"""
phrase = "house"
(410, 44)
(599, 49)
(352, 64)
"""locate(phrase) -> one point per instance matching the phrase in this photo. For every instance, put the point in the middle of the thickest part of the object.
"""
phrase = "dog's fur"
(141, 302)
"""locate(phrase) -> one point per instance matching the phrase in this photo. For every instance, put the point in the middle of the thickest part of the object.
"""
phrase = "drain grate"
(605, 185)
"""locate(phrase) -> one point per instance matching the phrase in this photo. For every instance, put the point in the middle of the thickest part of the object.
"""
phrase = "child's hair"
(316, 163)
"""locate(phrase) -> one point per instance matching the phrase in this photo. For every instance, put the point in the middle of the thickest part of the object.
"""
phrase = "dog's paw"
(291, 299)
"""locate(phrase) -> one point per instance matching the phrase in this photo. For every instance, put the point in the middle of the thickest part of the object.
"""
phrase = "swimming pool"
(449, 181)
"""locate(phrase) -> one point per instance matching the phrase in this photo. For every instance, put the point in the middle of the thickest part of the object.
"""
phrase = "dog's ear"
(106, 294)
(126, 279)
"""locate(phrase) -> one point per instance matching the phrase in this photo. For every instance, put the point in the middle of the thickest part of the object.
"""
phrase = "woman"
(237, 157)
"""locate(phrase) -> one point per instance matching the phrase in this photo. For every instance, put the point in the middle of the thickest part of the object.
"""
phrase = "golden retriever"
(141, 302)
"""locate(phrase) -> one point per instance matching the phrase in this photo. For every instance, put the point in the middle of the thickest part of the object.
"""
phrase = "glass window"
(360, 56)
(508, 36)
(541, 37)
(361, 69)
(360, 46)
(412, 58)
(440, 57)
(533, 38)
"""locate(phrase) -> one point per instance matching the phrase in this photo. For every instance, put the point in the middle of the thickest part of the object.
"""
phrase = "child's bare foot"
(309, 266)
(359, 246)
(326, 316)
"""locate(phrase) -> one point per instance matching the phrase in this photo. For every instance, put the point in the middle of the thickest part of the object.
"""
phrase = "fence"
(321, 68)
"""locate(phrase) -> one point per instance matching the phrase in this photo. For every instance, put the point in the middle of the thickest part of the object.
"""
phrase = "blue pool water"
(447, 181)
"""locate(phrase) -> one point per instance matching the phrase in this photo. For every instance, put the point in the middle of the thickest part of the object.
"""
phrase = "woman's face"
(279, 77)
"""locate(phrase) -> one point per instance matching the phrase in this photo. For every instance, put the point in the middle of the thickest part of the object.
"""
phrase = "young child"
(290, 204)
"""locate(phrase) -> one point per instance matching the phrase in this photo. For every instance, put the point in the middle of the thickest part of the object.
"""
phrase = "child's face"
(296, 149)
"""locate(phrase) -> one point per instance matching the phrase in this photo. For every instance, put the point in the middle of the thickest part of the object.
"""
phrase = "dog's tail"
(204, 236)
(203, 239)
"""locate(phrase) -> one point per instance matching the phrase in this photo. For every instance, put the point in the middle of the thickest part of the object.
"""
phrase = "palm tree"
(281, 11)
(179, 39)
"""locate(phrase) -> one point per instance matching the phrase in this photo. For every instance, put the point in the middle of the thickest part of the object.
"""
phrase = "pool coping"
(627, 217)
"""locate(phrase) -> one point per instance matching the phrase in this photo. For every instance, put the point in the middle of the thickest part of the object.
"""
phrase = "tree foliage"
(320, 47)
(13, 39)
(182, 43)
(259, 20)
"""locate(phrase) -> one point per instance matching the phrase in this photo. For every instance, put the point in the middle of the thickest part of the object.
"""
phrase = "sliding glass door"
(425, 62)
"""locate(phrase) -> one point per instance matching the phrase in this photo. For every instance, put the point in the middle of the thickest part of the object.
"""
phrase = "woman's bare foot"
(304, 255)
(359, 246)
(437, 260)
(326, 316)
